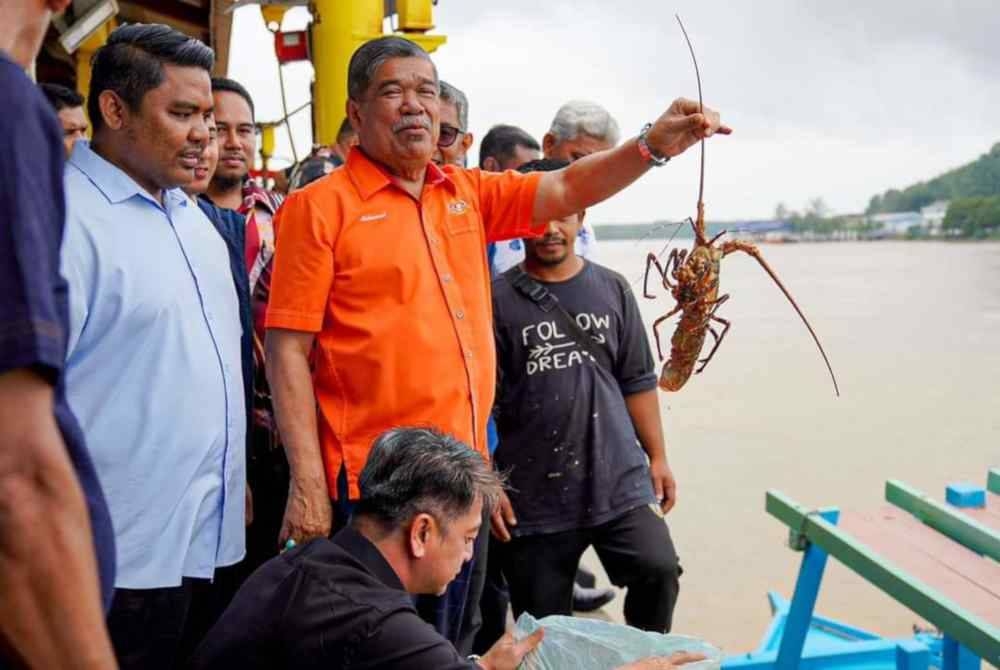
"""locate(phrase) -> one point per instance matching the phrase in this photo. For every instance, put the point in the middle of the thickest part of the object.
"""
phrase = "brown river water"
(913, 332)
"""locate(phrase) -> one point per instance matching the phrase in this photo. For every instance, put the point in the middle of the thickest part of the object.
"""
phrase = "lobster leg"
(656, 329)
(652, 260)
(718, 337)
(712, 241)
(718, 340)
(752, 250)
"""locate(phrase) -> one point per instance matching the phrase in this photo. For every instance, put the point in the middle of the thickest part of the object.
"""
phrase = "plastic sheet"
(588, 644)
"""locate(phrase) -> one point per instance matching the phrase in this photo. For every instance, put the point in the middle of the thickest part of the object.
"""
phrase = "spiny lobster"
(695, 288)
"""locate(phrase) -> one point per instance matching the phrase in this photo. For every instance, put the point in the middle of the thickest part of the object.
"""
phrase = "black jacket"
(232, 228)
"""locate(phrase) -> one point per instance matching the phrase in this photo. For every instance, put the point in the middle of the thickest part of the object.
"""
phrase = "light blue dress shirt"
(154, 373)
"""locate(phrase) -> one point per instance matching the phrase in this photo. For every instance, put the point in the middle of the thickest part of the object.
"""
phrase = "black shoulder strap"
(547, 302)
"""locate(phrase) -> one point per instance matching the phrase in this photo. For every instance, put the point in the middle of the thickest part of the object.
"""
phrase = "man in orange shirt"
(380, 302)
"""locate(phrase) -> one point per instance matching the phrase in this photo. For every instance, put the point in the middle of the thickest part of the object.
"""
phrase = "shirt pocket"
(461, 218)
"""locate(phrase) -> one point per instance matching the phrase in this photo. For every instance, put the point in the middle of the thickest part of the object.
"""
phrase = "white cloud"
(826, 100)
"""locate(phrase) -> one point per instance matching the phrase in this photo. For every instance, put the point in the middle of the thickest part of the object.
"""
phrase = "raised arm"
(599, 176)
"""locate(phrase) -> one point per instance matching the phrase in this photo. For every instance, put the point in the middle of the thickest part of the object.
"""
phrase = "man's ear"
(352, 109)
(548, 143)
(114, 111)
(421, 529)
(491, 164)
(466, 142)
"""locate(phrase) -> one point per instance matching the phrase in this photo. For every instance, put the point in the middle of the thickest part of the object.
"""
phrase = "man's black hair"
(61, 97)
(543, 165)
(371, 55)
(131, 63)
(414, 470)
(233, 86)
(502, 141)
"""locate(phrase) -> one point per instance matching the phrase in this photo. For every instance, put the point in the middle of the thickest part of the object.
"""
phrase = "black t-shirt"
(34, 311)
(566, 436)
(328, 604)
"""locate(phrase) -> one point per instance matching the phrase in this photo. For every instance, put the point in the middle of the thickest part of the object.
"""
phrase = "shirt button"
(446, 278)
(459, 314)
(468, 354)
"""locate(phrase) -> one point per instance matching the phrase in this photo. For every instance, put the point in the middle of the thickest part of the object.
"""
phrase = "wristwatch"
(647, 153)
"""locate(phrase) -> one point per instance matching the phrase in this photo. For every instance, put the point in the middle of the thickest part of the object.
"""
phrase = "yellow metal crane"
(338, 28)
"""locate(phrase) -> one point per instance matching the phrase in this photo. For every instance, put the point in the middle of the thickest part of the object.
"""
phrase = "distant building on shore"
(896, 224)
(933, 216)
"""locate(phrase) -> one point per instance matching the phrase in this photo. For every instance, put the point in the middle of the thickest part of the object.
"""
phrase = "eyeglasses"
(448, 135)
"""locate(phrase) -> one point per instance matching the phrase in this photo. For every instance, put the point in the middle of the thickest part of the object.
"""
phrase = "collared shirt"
(34, 305)
(398, 291)
(328, 604)
(259, 207)
(154, 372)
(231, 226)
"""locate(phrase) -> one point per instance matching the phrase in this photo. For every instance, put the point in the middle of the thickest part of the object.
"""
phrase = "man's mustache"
(411, 121)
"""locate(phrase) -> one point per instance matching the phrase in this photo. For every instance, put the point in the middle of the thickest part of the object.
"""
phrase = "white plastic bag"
(589, 644)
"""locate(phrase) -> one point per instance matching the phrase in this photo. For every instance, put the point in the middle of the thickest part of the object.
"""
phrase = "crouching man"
(346, 602)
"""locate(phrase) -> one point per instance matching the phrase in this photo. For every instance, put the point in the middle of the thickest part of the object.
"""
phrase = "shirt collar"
(254, 194)
(361, 548)
(112, 181)
(369, 178)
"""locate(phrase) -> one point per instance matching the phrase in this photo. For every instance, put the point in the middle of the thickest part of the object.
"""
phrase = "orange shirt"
(398, 292)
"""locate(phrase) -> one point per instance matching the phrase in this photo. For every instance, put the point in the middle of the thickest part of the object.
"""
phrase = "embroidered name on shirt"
(373, 217)
(458, 207)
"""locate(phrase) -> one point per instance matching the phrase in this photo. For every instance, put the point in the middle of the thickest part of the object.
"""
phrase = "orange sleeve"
(506, 201)
(303, 264)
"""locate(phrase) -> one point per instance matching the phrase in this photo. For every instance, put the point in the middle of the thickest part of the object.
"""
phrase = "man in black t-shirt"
(580, 433)
(57, 555)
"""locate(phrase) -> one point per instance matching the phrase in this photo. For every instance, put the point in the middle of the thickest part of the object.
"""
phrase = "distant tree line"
(975, 217)
(814, 218)
(980, 178)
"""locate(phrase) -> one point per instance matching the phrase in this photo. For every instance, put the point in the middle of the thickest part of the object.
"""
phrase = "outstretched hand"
(682, 126)
(508, 652)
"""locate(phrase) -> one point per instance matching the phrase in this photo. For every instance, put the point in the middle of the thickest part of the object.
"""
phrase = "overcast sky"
(826, 100)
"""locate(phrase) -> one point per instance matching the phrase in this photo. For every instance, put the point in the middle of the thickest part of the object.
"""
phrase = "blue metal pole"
(803, 602)
(956, 656)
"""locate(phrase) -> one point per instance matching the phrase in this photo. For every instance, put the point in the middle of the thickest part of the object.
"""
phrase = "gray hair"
(370, 56)
(455, 96)
(588, 118)
(414, 470)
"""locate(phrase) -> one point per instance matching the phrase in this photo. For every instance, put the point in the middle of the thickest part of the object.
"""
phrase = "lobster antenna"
(701, 110)
(677, 228)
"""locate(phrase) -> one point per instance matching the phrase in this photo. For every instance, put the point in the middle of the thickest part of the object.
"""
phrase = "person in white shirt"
(579, 129)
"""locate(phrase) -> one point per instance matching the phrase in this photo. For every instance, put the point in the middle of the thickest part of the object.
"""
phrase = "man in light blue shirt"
(154, 368)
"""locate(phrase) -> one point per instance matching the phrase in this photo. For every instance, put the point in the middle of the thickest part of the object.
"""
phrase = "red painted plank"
(944, 565)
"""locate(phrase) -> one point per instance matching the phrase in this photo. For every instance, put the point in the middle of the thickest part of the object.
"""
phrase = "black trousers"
(495, 601)
(159, 629)
(635, 550)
